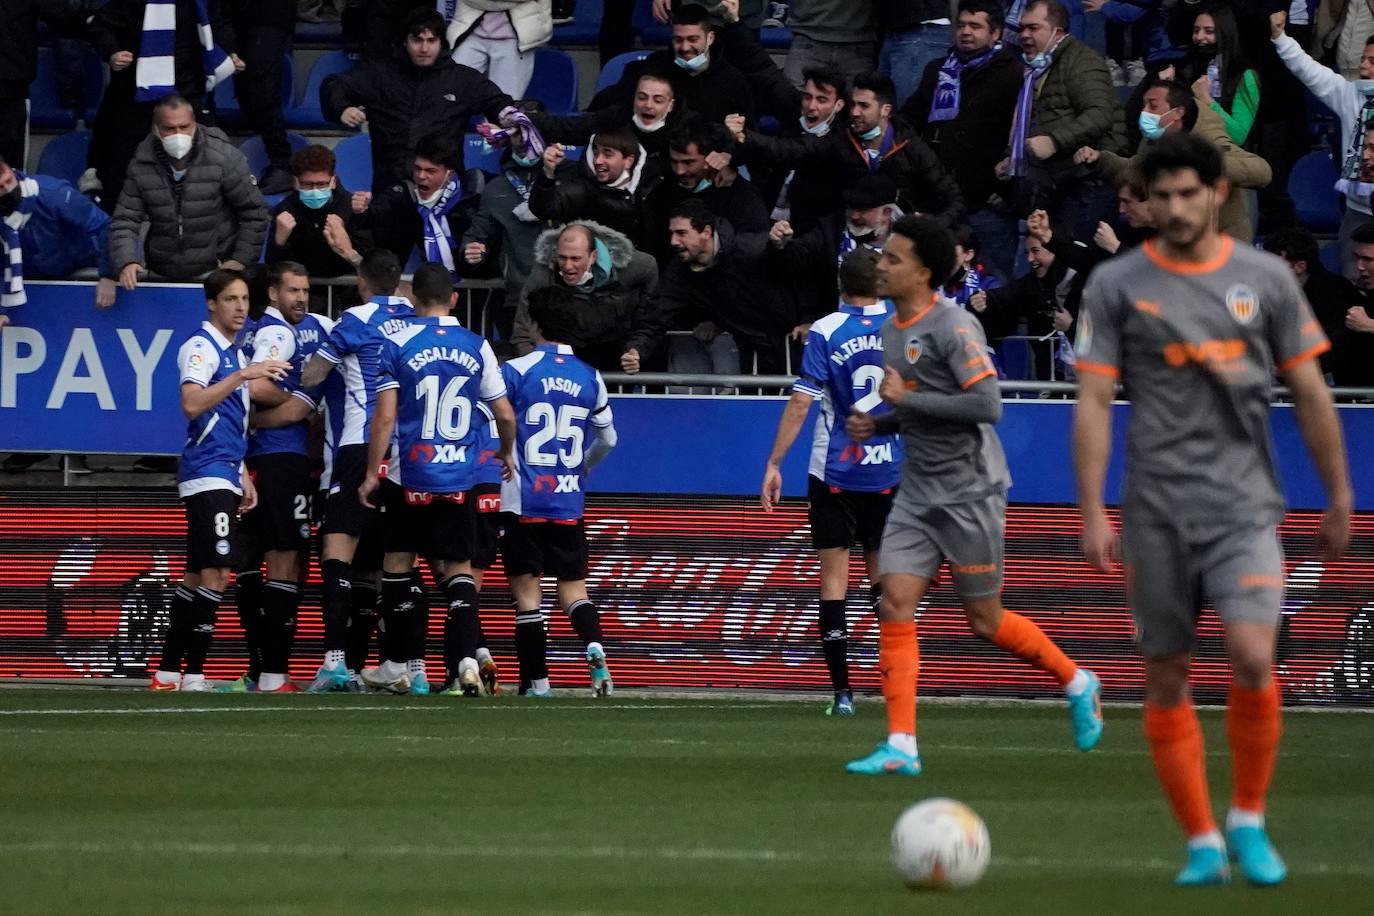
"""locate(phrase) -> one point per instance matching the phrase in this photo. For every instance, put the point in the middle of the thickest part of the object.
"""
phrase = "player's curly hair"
(933, 243)
(1178, 152)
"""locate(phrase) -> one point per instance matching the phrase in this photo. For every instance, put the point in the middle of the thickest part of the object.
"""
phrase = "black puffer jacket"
(574, 193)
(404, 103)
(972, 143)
(213, 214)
(19, 40)
(923, 185)
(609, 307)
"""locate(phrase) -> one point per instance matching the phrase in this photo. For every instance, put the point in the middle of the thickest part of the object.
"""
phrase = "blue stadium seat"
(585, 29)
(1310, 185)
(575, 153)
(554, 81)
(652, 33)
(305, 113)
(776, 38)
(353, 166)
(478, 155)
(44, 109)
(319, 33)
(227, 113)
(256, 153)
(615, 68)
(65, 156)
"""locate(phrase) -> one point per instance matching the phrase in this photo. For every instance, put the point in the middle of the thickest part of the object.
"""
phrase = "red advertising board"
(694, 592)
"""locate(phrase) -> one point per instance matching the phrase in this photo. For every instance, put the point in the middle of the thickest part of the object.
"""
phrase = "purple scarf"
(1020, 125)
(945, 105)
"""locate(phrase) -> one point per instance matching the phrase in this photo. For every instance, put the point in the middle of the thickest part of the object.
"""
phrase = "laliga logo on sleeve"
(913, 349)
(1242, 303)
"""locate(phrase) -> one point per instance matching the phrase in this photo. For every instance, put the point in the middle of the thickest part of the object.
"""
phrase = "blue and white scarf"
(438, 235)
(156, 70)
(12, 293)
(1020, 124)
(945, 105)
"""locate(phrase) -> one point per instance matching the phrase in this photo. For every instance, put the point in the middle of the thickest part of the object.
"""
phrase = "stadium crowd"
(697, 207)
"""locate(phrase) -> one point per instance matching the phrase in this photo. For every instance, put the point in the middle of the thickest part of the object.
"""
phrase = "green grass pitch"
(116, 801)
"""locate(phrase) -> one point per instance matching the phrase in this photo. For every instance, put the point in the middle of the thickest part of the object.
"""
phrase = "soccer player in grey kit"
(1194, 326)
(952, 501)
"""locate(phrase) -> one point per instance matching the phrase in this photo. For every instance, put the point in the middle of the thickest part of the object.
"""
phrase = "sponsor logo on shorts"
(1261, 580)
(1242, 303)
(489, 502)
(975, 569)
(222, 547)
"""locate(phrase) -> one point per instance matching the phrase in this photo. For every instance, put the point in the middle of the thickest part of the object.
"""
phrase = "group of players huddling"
(432, 451)
(426, 438)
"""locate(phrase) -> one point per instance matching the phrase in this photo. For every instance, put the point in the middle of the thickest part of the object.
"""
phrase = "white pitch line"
(529, 706)
(637, 853)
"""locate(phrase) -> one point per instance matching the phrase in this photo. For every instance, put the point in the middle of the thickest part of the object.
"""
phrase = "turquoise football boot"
(1259, 861)
(1206, 867)
(328, 680)
(601, 675)
(886, 760)
(419, 684)
(1085, 712)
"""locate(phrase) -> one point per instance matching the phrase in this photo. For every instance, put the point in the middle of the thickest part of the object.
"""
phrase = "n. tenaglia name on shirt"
(856, 345)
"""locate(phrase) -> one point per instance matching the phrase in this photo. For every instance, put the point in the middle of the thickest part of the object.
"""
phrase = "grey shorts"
(970, 535)
(1172, 568)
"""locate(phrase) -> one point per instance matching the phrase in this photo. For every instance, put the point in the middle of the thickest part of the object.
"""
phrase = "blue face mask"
(315, 198)
(523, 162)
(701, 186)
(1150, 128)
(1036, 63)
(872, 133)
(820, 130)
(695, 64)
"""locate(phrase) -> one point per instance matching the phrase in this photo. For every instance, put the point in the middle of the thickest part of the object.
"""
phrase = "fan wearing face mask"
(1352, 101)
(703, 80)
(194, 191)
(314, 225)
(1169, 108)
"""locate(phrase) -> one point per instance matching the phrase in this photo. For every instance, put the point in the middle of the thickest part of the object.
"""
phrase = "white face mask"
(649, 128)
(178, 146)
(820, 130)
(431, 200)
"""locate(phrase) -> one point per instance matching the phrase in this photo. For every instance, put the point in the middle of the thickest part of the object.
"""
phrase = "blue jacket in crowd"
(66, 232)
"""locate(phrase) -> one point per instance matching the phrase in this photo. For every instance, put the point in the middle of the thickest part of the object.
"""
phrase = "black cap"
(870, 191)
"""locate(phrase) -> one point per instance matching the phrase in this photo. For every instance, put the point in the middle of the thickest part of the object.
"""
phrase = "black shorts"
(838, 517)
(486, 523)
(436, 526)
(344, 512)
(557, 549)
(212, 521)
(281, 520)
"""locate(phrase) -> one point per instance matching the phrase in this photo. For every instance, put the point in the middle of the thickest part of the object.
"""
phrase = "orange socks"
(1176, 746)
(1253, 728)
(1022, 638)
(899, 659)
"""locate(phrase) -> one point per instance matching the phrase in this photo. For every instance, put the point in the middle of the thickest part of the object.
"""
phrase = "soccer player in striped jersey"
(211, 479)
(1194, 325)
(952, 501)
(558, 399)
(851, 483)
(432, 374)
(278, 530)
(353, 346)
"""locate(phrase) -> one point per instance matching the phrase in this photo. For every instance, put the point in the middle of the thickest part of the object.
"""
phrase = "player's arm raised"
(1092, 448)
(1321, 429)
(789, 427)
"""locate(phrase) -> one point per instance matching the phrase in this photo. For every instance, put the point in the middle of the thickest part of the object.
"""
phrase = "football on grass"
(940, 843)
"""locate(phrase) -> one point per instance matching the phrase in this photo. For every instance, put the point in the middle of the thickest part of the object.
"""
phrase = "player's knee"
(214, 578)
(1252, 669)
(1166, 680)
(891, 609)
(984, 626)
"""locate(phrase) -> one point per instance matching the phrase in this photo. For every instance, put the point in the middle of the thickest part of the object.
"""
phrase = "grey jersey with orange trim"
(943, 351)
(1195, 347)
